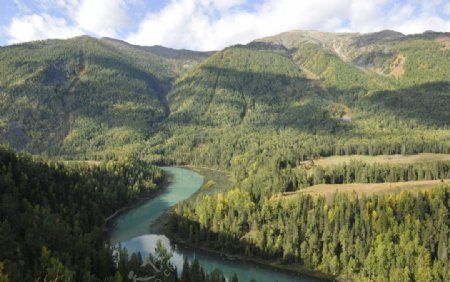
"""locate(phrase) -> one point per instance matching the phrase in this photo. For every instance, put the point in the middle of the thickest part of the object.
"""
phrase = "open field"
(383, 159)
(328, 190)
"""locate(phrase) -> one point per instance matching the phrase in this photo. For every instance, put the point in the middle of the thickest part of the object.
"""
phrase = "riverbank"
(218, 181)
(213, 181)
(141, 200)
(294, 269)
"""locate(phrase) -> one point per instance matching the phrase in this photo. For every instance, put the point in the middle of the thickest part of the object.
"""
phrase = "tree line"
(289, 178)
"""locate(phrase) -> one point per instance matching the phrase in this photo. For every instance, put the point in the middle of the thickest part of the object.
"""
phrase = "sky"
(211, 24)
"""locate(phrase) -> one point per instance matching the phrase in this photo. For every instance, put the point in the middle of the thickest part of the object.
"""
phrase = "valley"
(322, 153)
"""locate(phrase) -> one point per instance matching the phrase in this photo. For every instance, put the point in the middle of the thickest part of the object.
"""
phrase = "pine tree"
(185, 273)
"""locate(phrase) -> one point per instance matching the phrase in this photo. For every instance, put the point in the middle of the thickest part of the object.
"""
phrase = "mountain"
(311, 92)
(386, 53)
(105, 98)
(84, 95)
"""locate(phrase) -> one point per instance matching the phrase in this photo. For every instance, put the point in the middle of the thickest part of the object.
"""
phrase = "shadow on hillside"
(428, 104)
(160, 88)
(224, 96)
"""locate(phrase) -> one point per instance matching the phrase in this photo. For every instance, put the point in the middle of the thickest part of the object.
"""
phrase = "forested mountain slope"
(240, 91)
(314, 93)
(87, 98)
(83, 96)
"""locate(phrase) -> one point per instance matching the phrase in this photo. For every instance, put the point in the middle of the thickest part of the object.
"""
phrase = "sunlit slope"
(402, 60)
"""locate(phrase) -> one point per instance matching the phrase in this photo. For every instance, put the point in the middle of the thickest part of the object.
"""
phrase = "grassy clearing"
(328, 190)
(382, 159)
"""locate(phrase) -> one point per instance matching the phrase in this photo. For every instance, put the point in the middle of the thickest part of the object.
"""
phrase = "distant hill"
(386, 53)
(179, 59)
(170, 53)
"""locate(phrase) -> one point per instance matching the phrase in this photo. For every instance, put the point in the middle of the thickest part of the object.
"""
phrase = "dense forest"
(401, 237)
(52, 216)
(299, 100)
(52, 221)
(83, 97)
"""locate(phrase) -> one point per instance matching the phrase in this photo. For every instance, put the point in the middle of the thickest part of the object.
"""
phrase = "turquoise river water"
(131, 230)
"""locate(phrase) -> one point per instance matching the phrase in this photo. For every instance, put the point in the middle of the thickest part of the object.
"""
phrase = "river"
(132, 230)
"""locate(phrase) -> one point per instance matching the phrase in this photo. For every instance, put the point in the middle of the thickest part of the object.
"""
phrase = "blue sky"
(211, 24)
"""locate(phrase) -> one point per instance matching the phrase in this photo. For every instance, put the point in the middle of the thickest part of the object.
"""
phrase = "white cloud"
(98, 18)
(102, 17)
(34, 27)
(365, 15)
(422, 23)
(179, 23)
(189, 24)
(407, 18)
